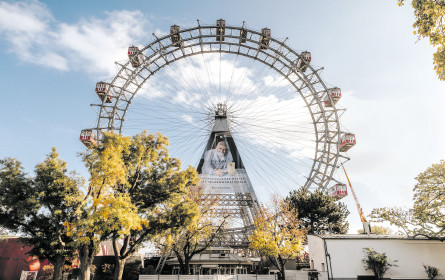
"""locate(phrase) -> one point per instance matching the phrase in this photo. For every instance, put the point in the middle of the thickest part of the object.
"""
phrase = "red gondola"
(347, 141)
(335, 94)
(88, 137)
(103, 91)
(136, 58)
(338, 191)
(303, 61)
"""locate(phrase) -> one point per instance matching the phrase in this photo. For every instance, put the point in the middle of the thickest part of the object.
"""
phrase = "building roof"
(368, 236)
(216, 259)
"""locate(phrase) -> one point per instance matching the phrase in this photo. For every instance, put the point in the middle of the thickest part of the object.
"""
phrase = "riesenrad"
(283, 119)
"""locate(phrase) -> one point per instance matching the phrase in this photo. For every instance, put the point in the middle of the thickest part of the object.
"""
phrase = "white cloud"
(188, 99)
(24, 18)
(150, 92)
(276, 81)
(212, 74)
(188, 119)
(90, 45)
(97, 43)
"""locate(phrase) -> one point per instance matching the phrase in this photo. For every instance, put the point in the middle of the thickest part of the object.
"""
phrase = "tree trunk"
(281, 266)
(187, 265)
(58, 268)
(119, 258)
(86, 261)
(181, 263)
(119, 269)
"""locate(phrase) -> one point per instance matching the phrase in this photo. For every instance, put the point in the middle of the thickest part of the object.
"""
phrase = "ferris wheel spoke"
(209, 73)
(228, 94)
(276, 130)
(190, 61)
(272, 124)
(250, 85)
(184, 75)
(168, 101)
(265, 167)
(273, 153)
(163, 106)
(237, 88)
(163, 114)
(264, 125)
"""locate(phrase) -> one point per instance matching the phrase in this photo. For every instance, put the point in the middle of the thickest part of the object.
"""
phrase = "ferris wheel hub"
(221, 110)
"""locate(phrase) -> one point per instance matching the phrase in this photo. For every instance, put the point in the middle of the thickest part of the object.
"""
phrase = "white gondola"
(346, 142)
(338, 191)
(335, 94)
(175, 36)
(303, 61)
(136, 58)
(88, 137)
(265, 38)
(220, 29)
(103, 91)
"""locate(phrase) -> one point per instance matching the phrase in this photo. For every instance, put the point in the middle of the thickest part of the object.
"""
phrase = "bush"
(47, 272)
(378, 263)
(432, 272)
(313, 274)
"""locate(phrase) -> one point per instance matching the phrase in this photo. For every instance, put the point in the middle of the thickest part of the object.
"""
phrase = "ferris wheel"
(283, 117)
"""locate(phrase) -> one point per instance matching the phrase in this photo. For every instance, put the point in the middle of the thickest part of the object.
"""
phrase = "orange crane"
(366, 225)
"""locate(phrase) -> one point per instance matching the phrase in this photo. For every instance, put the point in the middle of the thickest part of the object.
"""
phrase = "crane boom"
(357, 203)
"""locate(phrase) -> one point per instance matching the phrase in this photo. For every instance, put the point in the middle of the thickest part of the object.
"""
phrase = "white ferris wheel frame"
(203, 39)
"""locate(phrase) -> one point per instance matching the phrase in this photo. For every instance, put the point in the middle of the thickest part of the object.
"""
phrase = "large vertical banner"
(221, 169)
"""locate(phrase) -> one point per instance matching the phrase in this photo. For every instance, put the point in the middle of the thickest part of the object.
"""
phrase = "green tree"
(198, 234)
(138, 190)
(430, 23)
(38, 207)
(377, 262)
(427, 217)
(277, 234)
(318, 212)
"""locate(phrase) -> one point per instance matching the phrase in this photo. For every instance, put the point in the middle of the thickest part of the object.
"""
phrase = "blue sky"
(53, 52)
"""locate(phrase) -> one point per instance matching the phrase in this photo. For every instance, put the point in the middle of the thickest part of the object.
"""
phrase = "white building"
(340, 256)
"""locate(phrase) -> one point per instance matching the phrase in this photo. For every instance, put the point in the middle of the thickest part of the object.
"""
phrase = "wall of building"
(347, 254)
(303, 275)
(13, 259)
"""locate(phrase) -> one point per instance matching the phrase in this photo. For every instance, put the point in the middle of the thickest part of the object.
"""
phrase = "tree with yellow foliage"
(430, 23)
(137, 191)
(187, 241)
(277, 234)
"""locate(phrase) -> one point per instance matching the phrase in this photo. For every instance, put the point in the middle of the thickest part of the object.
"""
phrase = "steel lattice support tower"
(225, 180)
